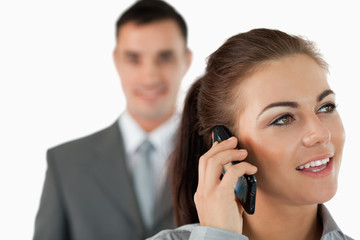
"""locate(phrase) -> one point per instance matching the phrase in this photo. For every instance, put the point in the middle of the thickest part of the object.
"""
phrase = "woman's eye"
(327, 108)
(283, 120)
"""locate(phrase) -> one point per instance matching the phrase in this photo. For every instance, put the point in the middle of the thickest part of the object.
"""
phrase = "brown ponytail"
(185, 160)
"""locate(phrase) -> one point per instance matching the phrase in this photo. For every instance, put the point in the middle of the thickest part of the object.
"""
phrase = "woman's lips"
(317, 168)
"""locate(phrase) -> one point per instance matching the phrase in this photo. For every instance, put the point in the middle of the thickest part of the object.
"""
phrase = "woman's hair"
(214, 100)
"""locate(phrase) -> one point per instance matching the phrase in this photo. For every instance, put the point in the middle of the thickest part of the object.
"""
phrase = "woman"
(270, 90)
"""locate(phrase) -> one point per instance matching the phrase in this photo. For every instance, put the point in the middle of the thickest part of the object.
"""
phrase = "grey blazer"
(88, 193)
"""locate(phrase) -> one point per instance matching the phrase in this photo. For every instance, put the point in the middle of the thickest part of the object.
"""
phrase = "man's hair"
(148, 11)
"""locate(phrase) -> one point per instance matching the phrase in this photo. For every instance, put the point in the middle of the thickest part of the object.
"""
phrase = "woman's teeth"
(314, 164)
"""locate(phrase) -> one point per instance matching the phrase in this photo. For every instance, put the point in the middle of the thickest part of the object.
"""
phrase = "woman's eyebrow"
(279, 104)
(324, 94)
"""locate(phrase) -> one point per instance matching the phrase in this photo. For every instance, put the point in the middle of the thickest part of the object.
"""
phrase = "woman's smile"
(317, 168)
(312, 166)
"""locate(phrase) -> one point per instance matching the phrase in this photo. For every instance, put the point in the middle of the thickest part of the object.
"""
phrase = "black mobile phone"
(245, 188)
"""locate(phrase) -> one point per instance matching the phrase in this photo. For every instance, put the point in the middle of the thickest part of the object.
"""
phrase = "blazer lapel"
(111, 170)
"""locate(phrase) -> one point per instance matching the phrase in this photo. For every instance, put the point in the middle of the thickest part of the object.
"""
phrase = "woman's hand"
(215, 200)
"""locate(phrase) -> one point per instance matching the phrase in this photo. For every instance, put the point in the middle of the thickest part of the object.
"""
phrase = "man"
(92, 188)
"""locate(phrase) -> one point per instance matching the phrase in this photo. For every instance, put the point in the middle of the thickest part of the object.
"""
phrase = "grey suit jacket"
(88, 193)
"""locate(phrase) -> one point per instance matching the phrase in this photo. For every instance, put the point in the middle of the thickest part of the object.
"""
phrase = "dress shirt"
(162, 138)
(194, 231)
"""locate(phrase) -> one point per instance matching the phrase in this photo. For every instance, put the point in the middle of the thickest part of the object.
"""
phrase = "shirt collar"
(163, 136)
(131, 132)
(329, 224)
(134, 135)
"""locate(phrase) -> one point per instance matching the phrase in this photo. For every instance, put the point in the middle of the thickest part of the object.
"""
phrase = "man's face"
(151, 60)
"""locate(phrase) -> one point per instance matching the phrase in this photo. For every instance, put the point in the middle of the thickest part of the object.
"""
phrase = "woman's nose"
(317, 133)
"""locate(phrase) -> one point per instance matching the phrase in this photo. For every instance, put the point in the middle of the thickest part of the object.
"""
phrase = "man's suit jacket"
(88, 193)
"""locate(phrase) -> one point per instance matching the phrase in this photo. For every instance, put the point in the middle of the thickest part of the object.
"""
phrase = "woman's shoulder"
(195, 231)
(180, 233)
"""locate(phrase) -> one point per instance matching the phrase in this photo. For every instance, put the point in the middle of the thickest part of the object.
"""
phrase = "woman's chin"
(322, 195)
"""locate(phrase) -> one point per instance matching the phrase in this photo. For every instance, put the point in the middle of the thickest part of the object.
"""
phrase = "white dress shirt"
(162, 138)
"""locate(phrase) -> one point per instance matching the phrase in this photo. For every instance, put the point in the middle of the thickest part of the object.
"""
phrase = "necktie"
(144, 183)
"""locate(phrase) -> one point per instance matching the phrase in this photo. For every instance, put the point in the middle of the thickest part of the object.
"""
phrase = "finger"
(216, 157)
(234, 172)
(227, 156)
(216, 148)
(216, 163)
(229, 143)
(202, 165)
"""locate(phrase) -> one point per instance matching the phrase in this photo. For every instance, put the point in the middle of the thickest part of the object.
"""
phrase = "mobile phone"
(245, 188)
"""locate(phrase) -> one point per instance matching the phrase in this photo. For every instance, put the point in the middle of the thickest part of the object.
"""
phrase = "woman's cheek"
(271, 155)
(339, 134)
(338, 139)
(260, 154)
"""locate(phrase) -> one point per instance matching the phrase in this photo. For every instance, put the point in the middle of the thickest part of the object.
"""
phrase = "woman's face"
(292, 131)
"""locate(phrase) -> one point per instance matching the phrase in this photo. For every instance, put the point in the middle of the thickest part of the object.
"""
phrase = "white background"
(58, 82)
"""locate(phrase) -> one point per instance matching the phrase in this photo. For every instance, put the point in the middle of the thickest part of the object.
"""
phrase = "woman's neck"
(280, 221)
